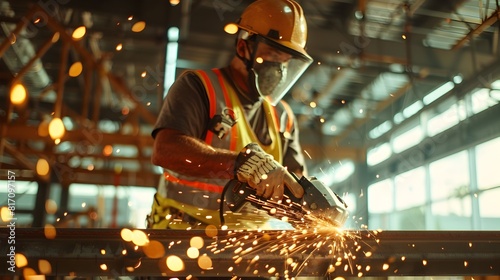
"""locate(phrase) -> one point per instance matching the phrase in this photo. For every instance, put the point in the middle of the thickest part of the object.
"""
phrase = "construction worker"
(230, 123)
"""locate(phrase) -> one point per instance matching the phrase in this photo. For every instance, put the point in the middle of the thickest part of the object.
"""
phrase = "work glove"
(260, 171)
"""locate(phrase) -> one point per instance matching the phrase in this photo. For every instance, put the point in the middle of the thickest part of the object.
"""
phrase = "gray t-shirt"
(186, 109)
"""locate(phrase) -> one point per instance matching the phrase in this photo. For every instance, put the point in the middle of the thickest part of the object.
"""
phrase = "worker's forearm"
(189, 156)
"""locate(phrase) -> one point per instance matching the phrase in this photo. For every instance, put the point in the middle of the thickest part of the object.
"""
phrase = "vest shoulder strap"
(218, 96)
(285, 116)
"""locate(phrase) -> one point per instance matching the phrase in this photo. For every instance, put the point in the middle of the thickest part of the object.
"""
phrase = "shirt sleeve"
(185, 108)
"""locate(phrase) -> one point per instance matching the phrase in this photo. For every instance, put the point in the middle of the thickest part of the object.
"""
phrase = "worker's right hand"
(261, 172)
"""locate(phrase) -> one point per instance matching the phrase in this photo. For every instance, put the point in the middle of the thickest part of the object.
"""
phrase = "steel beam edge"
(103, 252)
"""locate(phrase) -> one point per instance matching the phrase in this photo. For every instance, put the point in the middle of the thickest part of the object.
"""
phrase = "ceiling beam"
(55, 26)
(95, 177)
(24, 161)
(336, 49)
(13, 34)
(90, 136)
(141, 158)
(478, 30)
(331, 47)
(378, 108)
(484, 77)
(155, 12)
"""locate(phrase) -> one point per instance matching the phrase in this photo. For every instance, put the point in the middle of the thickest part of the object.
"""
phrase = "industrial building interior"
(396, 114)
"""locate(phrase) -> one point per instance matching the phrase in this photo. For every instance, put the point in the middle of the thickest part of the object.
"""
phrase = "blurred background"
(398, 114)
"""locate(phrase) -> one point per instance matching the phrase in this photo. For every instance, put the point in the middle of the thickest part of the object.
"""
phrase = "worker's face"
(270, 68)
(273, 69)
(268, 53)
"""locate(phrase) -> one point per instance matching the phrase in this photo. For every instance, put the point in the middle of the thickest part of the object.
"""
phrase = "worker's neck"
(239, 75)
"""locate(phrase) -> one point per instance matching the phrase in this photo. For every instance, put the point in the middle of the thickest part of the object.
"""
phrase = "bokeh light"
(56, 128)
(79, 33)
(18, 94)
(231, 28)
(76, 69)
(138, 26)
(21, 260)
(211, 231)
(44, 267)
(196, 242)
(205, 262)
(139, 238)
(154, 249)
(6, 214)
(193, 252)
(126, 234)
(42, 167)
(175, 263)
(29, 273)
(43, 128)
(50, 206)
(107, 150)
(49, 231)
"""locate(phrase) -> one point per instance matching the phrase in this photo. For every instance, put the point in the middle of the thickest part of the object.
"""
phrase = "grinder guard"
(318, 199)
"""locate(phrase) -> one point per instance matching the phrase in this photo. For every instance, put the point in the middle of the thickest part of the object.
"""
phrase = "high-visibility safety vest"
(201, 197)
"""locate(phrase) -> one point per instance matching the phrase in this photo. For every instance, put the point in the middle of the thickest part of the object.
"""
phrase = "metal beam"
(24, 161)
(12, 36)
(478, 30)
(56, 27)
(43, 49)
(376, 110)
(61, 78)
(325, 254)
(66, 175)
(83, 138)
(39, 211)
(89, 136)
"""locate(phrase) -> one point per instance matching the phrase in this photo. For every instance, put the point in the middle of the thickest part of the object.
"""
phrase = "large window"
(449, 118)
(380, 204)
(488, 179)
(453, 184)
(378, 154)
(450, 193)
(25, 196)
(482, 99)
(407, 139)
(410, 199)
(410, 189)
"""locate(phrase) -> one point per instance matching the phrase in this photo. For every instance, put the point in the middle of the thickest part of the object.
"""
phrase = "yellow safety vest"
(200, 197)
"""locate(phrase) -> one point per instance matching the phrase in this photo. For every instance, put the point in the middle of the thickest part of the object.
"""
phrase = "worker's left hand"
(261, 172)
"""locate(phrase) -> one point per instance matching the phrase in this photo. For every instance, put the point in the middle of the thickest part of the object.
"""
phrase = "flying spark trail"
(312, 234)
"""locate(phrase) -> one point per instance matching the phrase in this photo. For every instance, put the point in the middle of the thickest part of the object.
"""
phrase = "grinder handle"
(235, 193)
(292, 183)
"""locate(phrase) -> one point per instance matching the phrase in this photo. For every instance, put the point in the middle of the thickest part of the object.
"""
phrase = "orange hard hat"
(281, 21)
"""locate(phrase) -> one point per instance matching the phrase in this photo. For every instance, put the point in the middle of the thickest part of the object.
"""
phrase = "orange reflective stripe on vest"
(232, 144)
(211, 101)
(194, 184)
(289, 112)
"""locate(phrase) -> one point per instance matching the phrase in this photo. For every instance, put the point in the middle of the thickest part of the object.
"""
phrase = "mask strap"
(248, 62)
(253, 90)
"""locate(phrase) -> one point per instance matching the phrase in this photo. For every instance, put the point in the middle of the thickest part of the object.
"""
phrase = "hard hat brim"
(287, 46)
